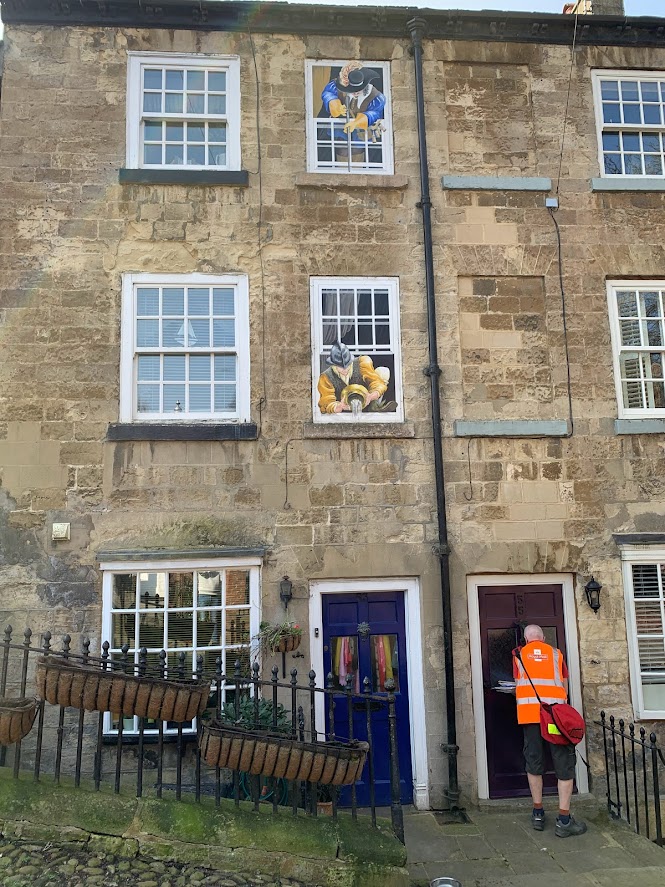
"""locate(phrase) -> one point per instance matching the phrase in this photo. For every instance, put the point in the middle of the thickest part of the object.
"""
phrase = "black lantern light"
(285, 591)
(592, 591)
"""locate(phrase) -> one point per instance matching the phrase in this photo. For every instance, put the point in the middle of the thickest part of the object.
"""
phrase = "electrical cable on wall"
(565, 325)
(263, 400)
(468, 459)
(565, 113)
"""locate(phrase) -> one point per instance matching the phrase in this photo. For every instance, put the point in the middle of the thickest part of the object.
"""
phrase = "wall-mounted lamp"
(285, 591)
(592, 591)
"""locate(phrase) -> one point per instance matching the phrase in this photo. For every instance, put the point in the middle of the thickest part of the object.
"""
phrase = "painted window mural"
(348, 115)
(356, 367)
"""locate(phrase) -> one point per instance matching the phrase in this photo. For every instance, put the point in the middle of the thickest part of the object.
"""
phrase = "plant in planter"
(252, 717)
(279, 637)
(326, 795)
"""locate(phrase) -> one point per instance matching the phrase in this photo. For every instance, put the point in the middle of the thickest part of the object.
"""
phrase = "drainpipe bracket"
(449, 749)
(424, 202)
(432, 370)
(441, 549)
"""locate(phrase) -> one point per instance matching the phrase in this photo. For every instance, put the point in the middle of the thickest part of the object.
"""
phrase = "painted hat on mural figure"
(354, 80)
(340, 356)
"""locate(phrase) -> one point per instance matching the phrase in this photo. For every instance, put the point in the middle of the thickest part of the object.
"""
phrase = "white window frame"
(388, 167)
(137, 61)
(633, 555)
(392, 285)
(610, 74)
(109, 568)
(128, 349)
(617, 348)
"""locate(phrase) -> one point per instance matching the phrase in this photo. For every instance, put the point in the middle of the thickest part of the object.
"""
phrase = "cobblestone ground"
(27, 864)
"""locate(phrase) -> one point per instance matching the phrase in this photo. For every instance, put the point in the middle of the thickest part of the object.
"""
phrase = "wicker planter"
(286, 644)
(63, 682)
(329, 763)
(16, 719)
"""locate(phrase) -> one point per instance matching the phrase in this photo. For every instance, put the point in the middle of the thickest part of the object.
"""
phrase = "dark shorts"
(563, 756)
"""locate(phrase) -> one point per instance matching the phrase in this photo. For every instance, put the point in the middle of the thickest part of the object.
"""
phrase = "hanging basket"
(63, 682)
(16, 719)
(286, 644)
(265, 754)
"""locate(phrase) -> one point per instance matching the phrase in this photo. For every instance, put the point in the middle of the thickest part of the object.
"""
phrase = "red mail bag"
(561, 724)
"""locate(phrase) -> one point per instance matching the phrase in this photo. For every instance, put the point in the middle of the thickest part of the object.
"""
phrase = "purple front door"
(504, 612)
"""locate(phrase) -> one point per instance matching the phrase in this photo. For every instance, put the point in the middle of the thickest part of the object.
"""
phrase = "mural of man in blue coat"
(353, 97)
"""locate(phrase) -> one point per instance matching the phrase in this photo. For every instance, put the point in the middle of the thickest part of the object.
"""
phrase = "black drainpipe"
(417, 28)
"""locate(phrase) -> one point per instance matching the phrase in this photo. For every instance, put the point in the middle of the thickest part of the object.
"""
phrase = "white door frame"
(414, 664)
(573, 662)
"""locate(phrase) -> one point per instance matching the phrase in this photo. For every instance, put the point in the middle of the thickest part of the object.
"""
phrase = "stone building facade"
(534, 499)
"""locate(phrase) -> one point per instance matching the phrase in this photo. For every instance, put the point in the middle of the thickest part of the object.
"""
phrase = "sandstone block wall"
(356, 507)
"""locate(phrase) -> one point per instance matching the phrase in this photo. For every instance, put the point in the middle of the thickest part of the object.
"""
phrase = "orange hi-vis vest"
(545, 667)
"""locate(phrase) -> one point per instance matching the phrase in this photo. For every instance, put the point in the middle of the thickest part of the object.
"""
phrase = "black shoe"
(538, 821)
(569, 829)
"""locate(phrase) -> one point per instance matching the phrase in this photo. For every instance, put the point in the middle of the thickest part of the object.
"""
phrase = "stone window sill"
(357, 430)
(350, 180)
(628, 184)
(639, 426)
(122, 431)
(238, 178)
(496, 183)
(511, 428)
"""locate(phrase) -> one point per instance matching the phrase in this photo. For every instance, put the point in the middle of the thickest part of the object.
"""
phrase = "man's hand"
(340, 407)
(359, 122)
(336, 108)
(372, 395)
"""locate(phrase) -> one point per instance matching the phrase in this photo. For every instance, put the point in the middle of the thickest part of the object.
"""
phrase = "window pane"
(613, 164)
(631, 141)
(653, 165)
(630, 332)
(344, 662)
(180, 630)
(174, 368)
(217, 132)
(196, 155)
(196, 80)
(174, 80)
(152, 132)
(382, 334)
(174, 132)
(384, 659)
(173, 102)
(151, 591)
(148, 369)
(237, 588)
(152, 102)
(174, 154)
(152, 78)
(653, 332)
(198, 301)
(223, 333)
(236, 627)
(217, 81)
(648, 617)
(122, 629)
(611, 112)
(173, 301)
(209, 588)
(209, 633)
(223, 301)
(631, 114)
(633, 164)
(181, 590)
(216, 104)
(627, 303)
(199, 368)
(196, 133)
(199, 398)
(147, 398)
(652, 114)
(199, 333)
(609, 89)
(174, 398)
(225, 368)
(151, 629)
(645, 580)
(611, 141)
(217, 155)
(173, 333)
(152, 154)
(225, 398)
(147, 333)
(195, 103)
(650, 302)
(653, 692)
(124, 592)
(147, 302)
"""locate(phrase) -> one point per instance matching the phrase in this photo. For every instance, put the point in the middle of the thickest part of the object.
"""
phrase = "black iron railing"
(165, 757)
(635, 776)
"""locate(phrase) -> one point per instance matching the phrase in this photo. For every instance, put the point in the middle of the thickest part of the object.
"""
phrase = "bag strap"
(517, 651)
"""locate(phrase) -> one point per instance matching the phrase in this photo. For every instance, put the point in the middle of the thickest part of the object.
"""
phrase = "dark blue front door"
(378, 653)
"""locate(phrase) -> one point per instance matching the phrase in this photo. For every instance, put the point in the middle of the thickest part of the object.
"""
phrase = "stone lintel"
(623, 539)
(108, 555)
(335, 181)
(357, 430)
(496, 183)
(238, 178)
(639, 426)
(628, 183)
(511, 428)
(120, 431)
